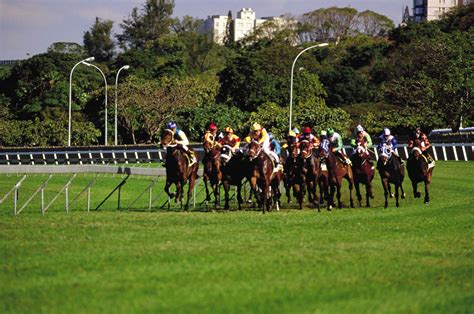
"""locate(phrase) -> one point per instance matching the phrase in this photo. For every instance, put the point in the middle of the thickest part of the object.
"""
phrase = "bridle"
(256, 153)
(171, 143)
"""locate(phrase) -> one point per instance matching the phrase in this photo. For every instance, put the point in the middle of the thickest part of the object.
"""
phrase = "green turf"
(416, 259)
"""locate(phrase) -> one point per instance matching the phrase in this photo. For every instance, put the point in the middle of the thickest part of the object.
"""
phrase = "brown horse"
(212, 171)
(234, 167)
(419, 171)
(311, 170)
(262, 169)
(391, 170)
(293, 175)
(178, 171)
(323, 181)
(337, 172)
(363, 173)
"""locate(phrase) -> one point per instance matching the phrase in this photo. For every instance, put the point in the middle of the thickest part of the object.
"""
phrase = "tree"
(229, 30)
(98, 41)
(66, 47)
(150, 24)
(146, 105)
(374, 24)
(329, 23)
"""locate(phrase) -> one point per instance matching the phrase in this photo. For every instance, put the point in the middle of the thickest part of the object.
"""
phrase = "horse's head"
(254, 149)
(167, 138)
(306, 149)
(207, 145)
(416, 152)
(294, 151)
(226, 154)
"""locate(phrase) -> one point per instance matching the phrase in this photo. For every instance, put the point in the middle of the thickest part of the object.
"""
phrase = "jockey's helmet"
(291, 134)
(228, 130)
(330, 131)
(270, 136)
(212, 126)
(306, 130)
(324, 133)
(359, 128)
(256, 127)
(296, 131)
(386, 131)
(171, 125)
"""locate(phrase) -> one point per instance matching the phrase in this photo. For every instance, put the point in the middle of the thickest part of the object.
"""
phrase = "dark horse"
(391, 170)
(337, 172)
(311, 170)
(212, 171)
(178, 171)
(234, 167)
(293, 175)
(419, 171)
(262, 170)
(363, 173)
(323, 181)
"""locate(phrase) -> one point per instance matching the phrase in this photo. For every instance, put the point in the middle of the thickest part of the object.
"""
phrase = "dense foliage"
(418, 74)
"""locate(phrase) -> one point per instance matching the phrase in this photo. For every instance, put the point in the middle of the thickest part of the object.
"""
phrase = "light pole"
(125, 67)
(70, 97)
(105, 80)
(291, 81)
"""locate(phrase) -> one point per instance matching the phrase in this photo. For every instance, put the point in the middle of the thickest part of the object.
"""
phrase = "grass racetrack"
(417, 258)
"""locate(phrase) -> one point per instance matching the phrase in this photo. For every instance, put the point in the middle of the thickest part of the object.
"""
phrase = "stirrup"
(192, 161)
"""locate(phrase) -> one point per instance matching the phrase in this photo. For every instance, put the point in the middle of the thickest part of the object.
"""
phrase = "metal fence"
(148, 154)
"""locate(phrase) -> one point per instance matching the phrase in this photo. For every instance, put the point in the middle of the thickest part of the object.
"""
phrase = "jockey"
(361, 138)
(229, 139)
(388, 144)
(182, 140)
(308, 136)
(210, 135)
(336, 145)
(291, 140)
(323, 138)
(423, 142)
(259, 134)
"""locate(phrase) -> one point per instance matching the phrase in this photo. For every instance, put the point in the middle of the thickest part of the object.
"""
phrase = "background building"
(428, 10)
(215, 25)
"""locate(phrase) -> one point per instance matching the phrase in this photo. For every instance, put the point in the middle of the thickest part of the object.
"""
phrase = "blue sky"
(31, 26)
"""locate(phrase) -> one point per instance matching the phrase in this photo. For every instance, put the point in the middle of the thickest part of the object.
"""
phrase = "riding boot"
(192, 158)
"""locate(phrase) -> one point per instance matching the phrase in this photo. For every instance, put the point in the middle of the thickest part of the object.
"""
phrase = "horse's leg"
(368, 193)
(298, 195)
(359, 196)
(287, 190)
(192, 182)
(427, 191)
(397, 185)
(208, 196)
(338, 194)
(386, 191)
(416, 194)
(226, 194)
(239, 195)
(332, 189)
(402, 192)
(215, 189)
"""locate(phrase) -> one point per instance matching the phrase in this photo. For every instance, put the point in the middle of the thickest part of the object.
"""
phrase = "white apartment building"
(244, 24)
(428, 10)
(216, 26)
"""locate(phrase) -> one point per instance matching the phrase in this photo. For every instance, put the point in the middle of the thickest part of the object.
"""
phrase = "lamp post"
(125, 67)
(105, 80)
(291, 81)
(70, 97)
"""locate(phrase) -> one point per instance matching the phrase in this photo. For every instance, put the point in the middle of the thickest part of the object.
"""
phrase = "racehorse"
(323, 181)
(391, 170)
(234, 169)
(337, 172)
(419, 171)
(178, 171)
(212, 172)
(363, 173)
(293, 175)
(311, 170)
(262, 169)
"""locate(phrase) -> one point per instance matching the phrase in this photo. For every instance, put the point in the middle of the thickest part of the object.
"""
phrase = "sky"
(29, 27)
